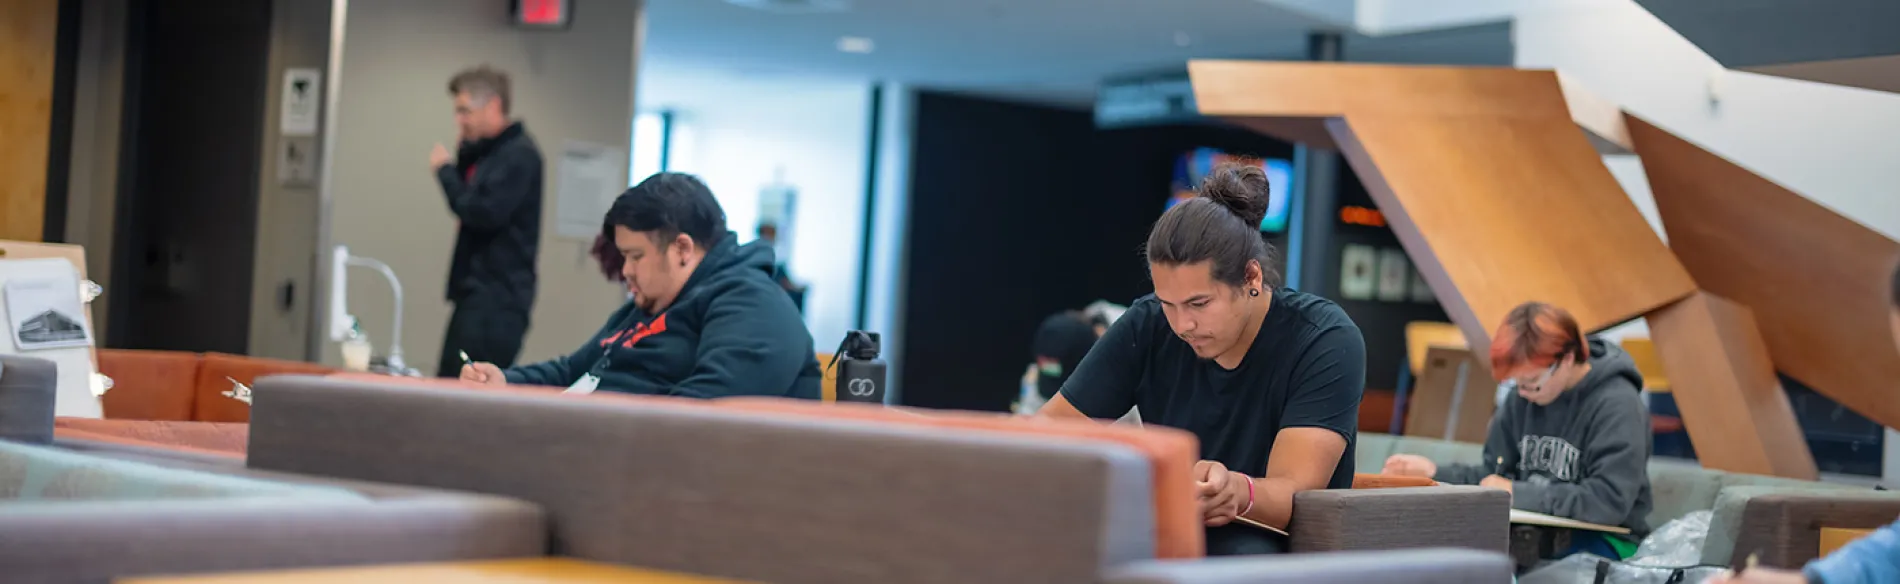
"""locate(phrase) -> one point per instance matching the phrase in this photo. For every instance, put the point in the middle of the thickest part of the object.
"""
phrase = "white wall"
(741, 133)
(1833, 144)
(393, 105)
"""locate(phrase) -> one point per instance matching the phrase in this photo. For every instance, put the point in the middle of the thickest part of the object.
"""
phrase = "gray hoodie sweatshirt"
(1585, 456)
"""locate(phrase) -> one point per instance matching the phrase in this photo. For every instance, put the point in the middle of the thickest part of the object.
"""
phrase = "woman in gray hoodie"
(1572, 439)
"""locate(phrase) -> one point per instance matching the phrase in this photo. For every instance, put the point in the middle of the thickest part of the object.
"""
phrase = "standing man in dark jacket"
(493, 185)
(706, 319)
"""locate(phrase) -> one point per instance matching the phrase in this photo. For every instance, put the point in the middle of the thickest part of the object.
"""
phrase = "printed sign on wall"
(303, 98)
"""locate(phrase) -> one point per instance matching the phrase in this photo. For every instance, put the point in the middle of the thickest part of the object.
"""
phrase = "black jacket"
(494, 188)
(732, 331)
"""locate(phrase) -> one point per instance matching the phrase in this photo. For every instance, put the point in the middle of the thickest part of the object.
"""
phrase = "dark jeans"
(1235, 539)
(487, 334)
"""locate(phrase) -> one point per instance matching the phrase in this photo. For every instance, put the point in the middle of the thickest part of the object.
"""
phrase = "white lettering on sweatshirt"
(1550, 455)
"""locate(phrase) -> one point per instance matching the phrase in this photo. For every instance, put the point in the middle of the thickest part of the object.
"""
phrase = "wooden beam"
(1815, 280)
(1732, 404)
(29, 31)
(1493, 190)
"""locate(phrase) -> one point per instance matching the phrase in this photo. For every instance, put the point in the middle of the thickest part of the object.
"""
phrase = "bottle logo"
(861, 387)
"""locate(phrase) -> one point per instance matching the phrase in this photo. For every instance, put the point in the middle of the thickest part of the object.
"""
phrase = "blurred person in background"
(493, 185)
(1061, 341)
(768, 233)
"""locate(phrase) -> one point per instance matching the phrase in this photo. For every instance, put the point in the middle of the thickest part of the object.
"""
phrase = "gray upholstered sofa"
(656, 483)
(74, 517)
(27, 390)
(693, 487)
(1776, 519)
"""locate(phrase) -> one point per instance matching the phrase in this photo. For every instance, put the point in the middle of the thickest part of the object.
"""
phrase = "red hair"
(1536, 334)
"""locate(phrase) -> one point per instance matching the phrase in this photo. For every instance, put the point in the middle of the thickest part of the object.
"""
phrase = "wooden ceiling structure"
(1500, 198)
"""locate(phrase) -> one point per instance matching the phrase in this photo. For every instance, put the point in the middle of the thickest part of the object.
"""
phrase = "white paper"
(1395, 275)
(75, 395)
(46, 313)
(303, 97)
(1358, 272)
(591, 176)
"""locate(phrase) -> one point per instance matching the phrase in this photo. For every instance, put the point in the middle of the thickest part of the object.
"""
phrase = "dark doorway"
(187, 222)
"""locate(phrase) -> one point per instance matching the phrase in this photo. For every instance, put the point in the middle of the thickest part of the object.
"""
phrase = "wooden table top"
(1832, 538)
(515, 571)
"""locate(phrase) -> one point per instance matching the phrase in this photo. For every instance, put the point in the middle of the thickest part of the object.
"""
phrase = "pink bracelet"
(1243, 512)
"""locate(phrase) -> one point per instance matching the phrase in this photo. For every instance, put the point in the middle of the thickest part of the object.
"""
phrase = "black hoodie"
(1585, 456)
(732, 331)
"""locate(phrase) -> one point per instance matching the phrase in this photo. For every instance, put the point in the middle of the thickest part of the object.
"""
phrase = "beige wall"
(397, 57)
(92, 187)
(286, 215)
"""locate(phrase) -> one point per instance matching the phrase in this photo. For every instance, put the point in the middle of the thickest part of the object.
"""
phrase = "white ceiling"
(1054, 51)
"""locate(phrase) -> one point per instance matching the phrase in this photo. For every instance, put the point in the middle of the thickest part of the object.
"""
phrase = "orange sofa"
(185, 387)
(175, 400)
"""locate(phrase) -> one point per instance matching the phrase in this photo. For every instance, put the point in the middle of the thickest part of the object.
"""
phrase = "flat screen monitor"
(1196, 163)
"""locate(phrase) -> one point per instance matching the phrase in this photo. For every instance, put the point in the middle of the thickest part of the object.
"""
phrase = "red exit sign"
(556, 14)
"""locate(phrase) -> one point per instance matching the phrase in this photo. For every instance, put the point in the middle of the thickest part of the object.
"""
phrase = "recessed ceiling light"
(853, 44)
(1181, 39)
(795, 6)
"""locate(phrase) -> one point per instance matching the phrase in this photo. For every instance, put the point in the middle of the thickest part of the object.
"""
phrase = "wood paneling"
(1815, 280)
(1482, 173)
(29, 30)
(1731, 402)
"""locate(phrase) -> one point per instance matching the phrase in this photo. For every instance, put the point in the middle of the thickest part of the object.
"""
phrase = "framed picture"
(1358, 272)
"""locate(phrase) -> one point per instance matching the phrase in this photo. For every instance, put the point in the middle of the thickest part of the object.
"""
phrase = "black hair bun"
(1241, 188)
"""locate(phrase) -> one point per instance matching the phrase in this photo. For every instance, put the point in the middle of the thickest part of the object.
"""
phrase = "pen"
(468, 361)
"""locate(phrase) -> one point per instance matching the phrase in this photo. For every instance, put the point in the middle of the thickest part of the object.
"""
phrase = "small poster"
(591, 175)
(1358, 272)
(1421, 292)
(46, 313)
(303, 97)
(1395, 275)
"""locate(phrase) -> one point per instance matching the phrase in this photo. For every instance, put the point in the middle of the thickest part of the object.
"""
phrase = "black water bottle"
(861, 374)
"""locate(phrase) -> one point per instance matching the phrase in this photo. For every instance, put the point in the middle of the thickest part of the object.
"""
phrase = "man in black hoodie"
(706, 319)
(1572, 440)
(493, 185)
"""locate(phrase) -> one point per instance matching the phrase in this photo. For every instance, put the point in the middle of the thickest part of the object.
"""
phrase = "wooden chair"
(1420, 336)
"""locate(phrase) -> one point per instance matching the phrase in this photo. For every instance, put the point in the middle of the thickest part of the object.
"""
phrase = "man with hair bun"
(1572, 439)
(1266, 377)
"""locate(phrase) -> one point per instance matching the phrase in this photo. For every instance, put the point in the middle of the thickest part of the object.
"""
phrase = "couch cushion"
(28, 388)
(215, 375)
(1440, 451)
(208, 437)
(1677, 487)
(39, 473)
(149, 385)
(1171, 453)
(686, 486)
(1371, 449)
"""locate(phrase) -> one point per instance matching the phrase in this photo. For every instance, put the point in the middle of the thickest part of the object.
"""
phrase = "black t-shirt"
(1306, 368)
